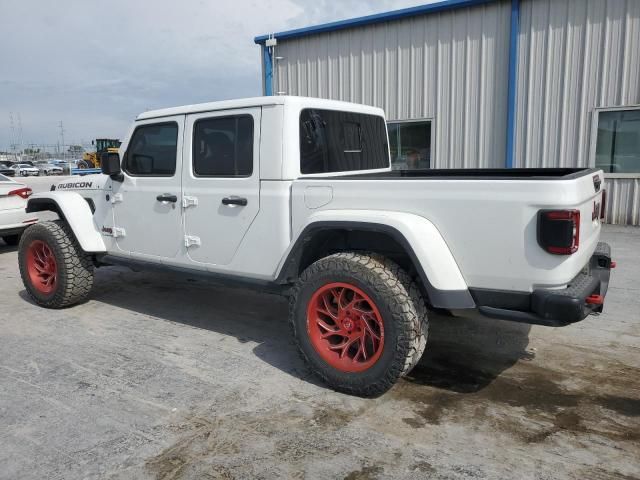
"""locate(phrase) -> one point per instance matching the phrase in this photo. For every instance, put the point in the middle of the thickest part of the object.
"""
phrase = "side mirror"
(110, 165)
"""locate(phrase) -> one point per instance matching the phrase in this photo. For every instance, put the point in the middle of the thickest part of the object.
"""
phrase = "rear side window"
(4, 179)
(223, 146)
(334, 141)
(152, 150)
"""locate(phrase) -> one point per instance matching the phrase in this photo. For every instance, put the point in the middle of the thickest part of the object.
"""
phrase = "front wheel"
(359, 321)
(55, 271)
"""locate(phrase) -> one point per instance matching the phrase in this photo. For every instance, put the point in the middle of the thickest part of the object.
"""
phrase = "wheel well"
(44, 205)
(325, 242)
(48, 205)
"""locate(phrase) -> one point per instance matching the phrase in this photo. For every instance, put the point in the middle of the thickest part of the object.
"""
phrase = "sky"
(94, 65)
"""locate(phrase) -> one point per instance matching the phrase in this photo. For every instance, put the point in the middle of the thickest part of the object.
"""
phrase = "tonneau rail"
(468, 174)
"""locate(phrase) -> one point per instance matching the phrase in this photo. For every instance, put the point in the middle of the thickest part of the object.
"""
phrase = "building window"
(410, 144)
(618, 141)
(223, 147)
(152, 150)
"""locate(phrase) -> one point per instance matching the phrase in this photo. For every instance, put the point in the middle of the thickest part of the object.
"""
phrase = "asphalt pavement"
(155, 377)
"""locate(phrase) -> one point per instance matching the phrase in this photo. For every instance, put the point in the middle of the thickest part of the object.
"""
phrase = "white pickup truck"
(297, 195)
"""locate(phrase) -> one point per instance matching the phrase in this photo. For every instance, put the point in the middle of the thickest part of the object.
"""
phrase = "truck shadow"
(462, 355)
(4, 248)
(465, 355)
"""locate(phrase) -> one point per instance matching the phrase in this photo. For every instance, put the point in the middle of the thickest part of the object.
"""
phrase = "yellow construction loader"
(103, 145)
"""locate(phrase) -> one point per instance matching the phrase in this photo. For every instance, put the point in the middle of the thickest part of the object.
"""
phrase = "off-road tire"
(399, 301)
(75, 268)
(11, 239)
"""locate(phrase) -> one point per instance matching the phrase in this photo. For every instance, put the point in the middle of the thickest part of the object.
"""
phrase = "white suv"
(13, 218)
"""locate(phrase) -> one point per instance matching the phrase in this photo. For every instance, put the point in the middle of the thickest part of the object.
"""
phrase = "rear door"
(221, 182)
(147, 213)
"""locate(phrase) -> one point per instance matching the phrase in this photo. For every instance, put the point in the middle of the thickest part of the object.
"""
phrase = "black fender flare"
(445, 299)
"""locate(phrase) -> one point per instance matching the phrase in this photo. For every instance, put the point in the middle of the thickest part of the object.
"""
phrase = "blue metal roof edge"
(375, 18)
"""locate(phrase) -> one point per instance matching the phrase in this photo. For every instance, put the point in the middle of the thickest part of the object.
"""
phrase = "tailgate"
(584, 194)
(590, 191)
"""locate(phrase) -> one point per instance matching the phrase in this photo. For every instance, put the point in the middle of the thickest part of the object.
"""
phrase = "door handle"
(234, 201)
(167, 197)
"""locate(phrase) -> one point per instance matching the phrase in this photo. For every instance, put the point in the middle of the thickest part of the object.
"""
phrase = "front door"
(221, 182)
(147, 210)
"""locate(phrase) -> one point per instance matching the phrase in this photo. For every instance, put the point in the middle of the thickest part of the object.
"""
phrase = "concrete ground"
(158, 378)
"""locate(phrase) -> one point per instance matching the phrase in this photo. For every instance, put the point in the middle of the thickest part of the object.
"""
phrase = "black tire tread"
(404, 302)
(421, 323)
(75, 267)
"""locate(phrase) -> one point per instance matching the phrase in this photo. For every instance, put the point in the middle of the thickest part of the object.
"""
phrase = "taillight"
(22, 192)
(559, 231)
(603, 205)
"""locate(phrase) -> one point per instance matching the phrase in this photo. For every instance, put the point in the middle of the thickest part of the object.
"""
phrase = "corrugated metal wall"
(574, 55)
(450, 67)
(623, 201)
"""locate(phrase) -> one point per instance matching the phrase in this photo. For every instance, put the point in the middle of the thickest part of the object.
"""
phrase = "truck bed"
(488, 218)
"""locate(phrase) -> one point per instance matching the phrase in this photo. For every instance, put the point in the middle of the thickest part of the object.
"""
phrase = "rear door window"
(335, 141)
(223, 146)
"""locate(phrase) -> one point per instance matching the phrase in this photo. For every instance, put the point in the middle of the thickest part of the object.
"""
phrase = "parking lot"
(163, 378)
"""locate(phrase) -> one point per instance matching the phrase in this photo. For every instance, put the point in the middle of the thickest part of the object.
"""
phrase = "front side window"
(152, 151)
(618, 141)
(223, 146)
(334, 141)
(410, 145)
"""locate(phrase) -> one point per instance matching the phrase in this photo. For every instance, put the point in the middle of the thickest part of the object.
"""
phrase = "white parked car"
(297, 195)
(47, 168)
(25, 170)
(13, 218)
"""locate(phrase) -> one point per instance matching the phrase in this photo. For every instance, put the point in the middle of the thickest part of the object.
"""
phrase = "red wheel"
(345, 327)
(55, 271)
(42, 267)
(359, 321)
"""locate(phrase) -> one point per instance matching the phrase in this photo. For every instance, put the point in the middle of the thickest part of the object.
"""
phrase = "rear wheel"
(11, 239)
(55, 271)
(359, 321)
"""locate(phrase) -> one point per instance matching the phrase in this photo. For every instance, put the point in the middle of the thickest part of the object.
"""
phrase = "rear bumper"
(554, 307)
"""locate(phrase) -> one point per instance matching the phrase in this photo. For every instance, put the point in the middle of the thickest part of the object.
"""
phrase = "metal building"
(486, 83)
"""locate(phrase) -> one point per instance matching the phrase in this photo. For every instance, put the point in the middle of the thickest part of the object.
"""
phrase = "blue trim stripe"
(268, 70)
(85, 171)
(370, 19)
(513, 82)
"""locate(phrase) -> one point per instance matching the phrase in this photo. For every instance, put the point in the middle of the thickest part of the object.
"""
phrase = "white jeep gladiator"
(297, 195)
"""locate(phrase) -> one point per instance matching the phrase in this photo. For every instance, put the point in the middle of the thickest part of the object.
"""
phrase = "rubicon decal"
(75, 185)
